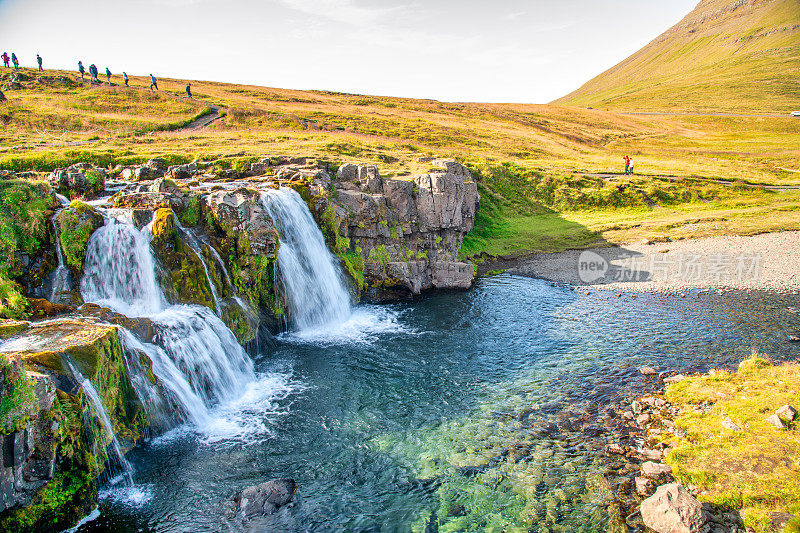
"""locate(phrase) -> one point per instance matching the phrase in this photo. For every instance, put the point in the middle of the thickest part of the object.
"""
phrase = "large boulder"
(80, 180)
(264, 499)
(240, 213)
(673, 509)
(408, 232)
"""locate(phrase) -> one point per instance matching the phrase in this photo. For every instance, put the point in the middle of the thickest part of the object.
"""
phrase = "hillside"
(550, 176)
(726, 55)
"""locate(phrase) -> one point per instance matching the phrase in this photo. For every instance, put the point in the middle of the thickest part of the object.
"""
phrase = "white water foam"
(365, 325)
(133, 496)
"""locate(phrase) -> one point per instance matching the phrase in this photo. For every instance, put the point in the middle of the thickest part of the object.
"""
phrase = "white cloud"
(346, 11)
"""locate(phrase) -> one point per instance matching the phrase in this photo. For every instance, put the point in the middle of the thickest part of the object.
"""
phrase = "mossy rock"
(9, 328)
(239, 321)
(18, 402)
(98, 354)
(76, 224)
(60, 504)
(184, 278)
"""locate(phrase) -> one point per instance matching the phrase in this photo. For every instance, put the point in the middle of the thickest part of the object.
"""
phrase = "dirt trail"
(205, 120)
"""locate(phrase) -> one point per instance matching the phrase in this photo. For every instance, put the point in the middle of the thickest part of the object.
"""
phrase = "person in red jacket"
(6, 59)
(627, 163)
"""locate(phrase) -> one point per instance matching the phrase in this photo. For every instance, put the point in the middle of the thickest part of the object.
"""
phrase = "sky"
(526, 51)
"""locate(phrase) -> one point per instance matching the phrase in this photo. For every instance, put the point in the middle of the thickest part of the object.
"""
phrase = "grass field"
(534, 163)
(754, 469)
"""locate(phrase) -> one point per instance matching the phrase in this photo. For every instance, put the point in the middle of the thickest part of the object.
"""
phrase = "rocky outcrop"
(673, 509)
(80, 180)
(407, 233)
(76, 224)
(217, 248)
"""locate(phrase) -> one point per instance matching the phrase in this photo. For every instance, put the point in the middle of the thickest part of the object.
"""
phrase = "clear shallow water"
(379, 420)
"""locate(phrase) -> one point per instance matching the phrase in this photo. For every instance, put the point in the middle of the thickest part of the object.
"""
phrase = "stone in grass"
(729, 424)
(264, 499)
(655, 470)
(776, 422)
(673, 509)
(787, 412)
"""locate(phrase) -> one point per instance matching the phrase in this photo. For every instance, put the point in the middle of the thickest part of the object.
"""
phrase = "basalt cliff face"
(407, 232)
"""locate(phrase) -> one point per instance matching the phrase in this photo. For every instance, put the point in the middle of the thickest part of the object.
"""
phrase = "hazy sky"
(456, 50)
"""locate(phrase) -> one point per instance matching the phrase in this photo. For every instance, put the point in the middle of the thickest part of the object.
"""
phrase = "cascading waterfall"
(120, 272)
(196, 357)
(308, 276)
(90, 393)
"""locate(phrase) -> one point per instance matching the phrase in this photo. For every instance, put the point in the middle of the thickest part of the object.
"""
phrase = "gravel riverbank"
(768, 262)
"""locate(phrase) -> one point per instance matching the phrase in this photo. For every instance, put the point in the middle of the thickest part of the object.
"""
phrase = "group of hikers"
(13, 60)
(93, 72)
(125, 79)
(628, 164)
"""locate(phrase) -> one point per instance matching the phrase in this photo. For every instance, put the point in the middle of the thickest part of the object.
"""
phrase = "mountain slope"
(725, 55)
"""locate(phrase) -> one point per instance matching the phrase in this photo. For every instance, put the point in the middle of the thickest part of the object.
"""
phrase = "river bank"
(766, 262)
(730, 438)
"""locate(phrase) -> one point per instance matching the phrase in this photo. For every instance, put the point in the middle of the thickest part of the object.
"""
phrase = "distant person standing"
(189, 90)
(153, 82)
(627, 163)
(39, 61)
(6, 59)
(81, 69)
(125, 78)
(15, 61)
(93, 73)
(631, 166)
(108, 75)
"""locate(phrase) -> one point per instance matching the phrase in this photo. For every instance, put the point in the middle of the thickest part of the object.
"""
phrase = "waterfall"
(195, 356)
(60, 283)
(90, 393)
(308, 277)
(119, 271)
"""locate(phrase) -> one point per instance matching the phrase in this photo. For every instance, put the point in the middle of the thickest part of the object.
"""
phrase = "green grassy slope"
(726, 55)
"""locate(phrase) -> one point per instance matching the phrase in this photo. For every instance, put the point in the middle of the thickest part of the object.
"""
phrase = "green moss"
(12, 303)
(163, 228)
(18, 403)
(76, 225)
(57, 505)
(23, 221)
(380, 255)
(191, 215)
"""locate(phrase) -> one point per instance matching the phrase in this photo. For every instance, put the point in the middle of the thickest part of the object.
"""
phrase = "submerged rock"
(264, 499)
(672, 509)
